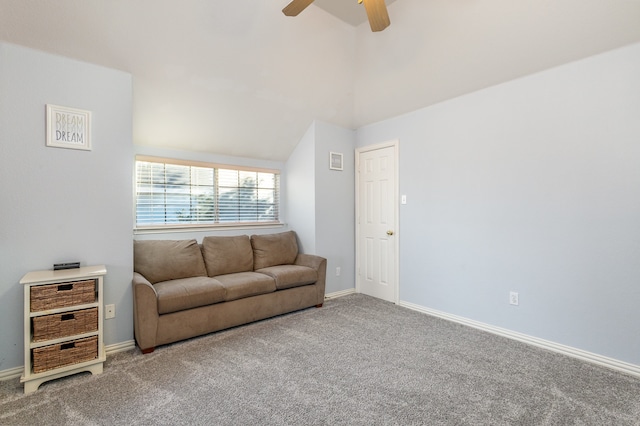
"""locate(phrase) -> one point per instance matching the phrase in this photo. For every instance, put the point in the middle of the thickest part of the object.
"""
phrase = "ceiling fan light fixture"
(376, 12)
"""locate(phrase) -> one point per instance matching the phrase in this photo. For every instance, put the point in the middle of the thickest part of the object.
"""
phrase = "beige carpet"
(356, 361)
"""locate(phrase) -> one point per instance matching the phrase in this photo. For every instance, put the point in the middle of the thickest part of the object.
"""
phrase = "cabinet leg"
(32, 384)
(30, 387)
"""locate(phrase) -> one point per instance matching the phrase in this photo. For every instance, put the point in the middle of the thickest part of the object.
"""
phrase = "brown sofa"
(182, 289)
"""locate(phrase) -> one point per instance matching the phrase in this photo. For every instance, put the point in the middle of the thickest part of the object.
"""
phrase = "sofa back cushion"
(165, 260)
(274, 249)
(227, 255)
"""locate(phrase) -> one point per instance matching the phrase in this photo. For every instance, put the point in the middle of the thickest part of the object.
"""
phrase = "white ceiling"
(237, 77)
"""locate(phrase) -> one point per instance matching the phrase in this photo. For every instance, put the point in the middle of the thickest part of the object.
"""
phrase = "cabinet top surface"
(63, 274)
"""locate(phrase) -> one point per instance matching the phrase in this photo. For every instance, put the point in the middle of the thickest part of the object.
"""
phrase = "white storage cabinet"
(63, 317)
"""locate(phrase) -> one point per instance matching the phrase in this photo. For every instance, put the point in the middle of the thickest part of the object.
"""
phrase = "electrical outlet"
(338, 271)
(109, 311)
(513, 298)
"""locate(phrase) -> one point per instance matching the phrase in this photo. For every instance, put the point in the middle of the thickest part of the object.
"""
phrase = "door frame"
(395, 144)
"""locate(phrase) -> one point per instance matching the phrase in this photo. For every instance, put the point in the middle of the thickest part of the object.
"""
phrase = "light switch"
(404, 199)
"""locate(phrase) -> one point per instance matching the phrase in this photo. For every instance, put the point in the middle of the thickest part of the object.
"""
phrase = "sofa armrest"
(145, 312)
(310, 260)
(320, 265)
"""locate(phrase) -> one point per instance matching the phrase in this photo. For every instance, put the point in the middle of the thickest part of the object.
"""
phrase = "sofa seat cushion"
(226, 255)
(274, 249)
(246, 284)
(186, 293)
(164, 260)
(287, 276)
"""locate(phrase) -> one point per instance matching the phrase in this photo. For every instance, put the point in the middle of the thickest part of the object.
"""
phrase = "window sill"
(169, 229)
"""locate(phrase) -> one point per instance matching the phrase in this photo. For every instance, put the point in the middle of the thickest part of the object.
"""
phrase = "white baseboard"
(341, 293)
(604, 361)
(120, 347)
(14, 373)
(11, 373)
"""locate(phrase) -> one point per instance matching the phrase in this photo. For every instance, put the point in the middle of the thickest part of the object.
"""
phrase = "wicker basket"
(55, 356)
(65, 324)
(62, 295)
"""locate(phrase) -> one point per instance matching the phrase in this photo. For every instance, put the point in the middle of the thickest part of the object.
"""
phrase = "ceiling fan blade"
(295, 7)
(377, 14)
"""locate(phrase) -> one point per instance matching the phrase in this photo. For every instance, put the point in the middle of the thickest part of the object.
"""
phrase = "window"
(175, 193)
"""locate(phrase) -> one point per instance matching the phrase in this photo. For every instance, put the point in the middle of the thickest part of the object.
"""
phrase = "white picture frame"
(68, 127)
(335, 161)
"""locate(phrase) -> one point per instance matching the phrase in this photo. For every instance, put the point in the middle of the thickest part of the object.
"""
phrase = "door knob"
(389, 232)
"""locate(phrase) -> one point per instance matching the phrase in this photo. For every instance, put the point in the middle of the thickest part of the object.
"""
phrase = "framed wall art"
(68, 127)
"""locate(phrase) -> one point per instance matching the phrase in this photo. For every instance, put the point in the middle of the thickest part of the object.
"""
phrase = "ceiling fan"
(376, 12)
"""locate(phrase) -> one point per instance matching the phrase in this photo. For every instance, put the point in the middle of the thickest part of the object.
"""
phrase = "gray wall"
(58, 204)
(301, 190)
(530, 186)
(321, 201)
(335, 205)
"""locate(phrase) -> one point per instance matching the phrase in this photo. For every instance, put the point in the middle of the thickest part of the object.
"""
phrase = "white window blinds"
(176, 193)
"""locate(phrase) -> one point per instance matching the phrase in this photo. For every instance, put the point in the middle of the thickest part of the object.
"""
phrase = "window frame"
(183, 227)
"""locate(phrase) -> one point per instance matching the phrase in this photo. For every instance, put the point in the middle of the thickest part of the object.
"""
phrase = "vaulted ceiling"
(237, 77)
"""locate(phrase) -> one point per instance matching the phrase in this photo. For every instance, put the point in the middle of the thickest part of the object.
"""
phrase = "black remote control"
(68, 265)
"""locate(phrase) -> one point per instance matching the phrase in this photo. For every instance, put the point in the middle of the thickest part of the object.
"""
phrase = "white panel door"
(377, 236)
